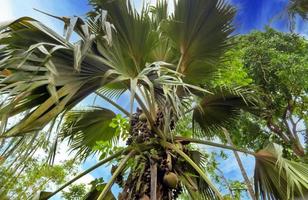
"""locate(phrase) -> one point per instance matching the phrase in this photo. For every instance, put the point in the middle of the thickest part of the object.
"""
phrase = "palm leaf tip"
(279, 178)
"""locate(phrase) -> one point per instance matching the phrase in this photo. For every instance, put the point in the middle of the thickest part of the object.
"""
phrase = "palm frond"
(159, 12)
(208, 189)
(220, 109)
(133, 37)
(40, 75)
(199, 30)
(113, 90)
(83, 128)
(197, 187)
(279, 178)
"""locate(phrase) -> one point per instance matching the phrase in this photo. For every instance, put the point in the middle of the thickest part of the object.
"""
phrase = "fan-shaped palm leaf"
(133, 40)
(279, 178)
(199, 30)
(84, 127)
(40, 74)
(217, 110)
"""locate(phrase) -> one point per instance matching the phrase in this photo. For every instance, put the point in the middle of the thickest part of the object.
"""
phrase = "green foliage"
(234, 75)
(238, 187)
(276, 63)
(75, 192)
(170, 65)
(274, 175)
(84, 127)
(35, 176)
(248, 132)
(107, 147)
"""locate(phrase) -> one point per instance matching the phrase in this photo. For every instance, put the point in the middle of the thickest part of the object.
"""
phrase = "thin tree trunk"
(298, 148)
(240, 164)
(226, 181)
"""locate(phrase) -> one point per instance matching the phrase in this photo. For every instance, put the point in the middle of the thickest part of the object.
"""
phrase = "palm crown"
(165, 61)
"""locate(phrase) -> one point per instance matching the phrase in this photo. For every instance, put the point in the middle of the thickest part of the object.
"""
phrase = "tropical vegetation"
(189, 83)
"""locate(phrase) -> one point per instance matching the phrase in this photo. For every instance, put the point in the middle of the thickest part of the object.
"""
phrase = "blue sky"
(251, 15)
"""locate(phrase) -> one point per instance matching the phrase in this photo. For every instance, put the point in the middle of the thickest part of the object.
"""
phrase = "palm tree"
(165, 61)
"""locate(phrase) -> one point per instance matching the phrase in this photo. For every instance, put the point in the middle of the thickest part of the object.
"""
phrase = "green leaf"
(133, 39)
(219, 110)
(84, 128)
(209, 188)
(202, 190)
(200, 31)
(39, 74)
(278, 178)
(94, 193)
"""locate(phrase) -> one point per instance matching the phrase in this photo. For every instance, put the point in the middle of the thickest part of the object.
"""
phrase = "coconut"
(143, 117)
(171, 179)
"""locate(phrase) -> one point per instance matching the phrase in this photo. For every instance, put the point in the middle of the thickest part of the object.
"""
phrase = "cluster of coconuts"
(140, 129)
(140, 176)
(141, 132)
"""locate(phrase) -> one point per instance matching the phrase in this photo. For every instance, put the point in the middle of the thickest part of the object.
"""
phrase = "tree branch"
(241, 166)
(87, 171)
(197, 141)
(115, 175)
(276, 129)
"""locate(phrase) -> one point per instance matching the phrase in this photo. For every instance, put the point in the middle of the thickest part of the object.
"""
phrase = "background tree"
(276, 63)
(75, 192)
(34, 177)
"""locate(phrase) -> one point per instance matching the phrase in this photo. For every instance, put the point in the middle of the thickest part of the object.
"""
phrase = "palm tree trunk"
(242, 169)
